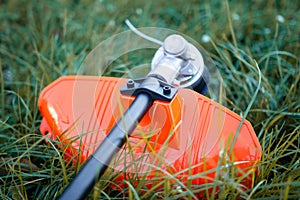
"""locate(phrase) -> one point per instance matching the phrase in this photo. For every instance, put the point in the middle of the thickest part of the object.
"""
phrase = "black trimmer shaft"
(95, 167)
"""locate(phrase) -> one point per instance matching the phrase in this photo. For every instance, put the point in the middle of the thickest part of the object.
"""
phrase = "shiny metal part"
(177, 62)
(181, 59)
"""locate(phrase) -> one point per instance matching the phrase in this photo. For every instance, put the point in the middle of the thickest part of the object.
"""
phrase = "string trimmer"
(167, 123)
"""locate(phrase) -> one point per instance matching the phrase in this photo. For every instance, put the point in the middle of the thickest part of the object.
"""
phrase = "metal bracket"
(156, 88)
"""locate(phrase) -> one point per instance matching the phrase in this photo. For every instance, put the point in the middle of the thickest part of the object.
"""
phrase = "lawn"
(254, 44)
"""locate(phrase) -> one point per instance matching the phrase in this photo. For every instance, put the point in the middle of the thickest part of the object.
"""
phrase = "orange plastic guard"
(191, 132)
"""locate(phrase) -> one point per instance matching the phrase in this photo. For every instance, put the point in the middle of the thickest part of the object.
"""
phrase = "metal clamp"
(157, 89)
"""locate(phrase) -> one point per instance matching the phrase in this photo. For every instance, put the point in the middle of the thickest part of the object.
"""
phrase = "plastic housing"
(188, 136)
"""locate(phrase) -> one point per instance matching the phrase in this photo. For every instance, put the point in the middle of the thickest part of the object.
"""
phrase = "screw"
(130, 83)
(167, 90)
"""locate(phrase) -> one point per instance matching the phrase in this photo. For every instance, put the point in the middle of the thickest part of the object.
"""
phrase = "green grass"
(40, 41)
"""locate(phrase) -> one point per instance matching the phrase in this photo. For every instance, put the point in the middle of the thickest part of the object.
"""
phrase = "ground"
(254, 44)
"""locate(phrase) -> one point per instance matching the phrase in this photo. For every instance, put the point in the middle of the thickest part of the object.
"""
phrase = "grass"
(40, 41)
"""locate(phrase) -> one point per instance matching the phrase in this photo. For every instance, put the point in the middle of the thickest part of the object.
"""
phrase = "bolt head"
(175, 45)
(130, 83)
(167, 90)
